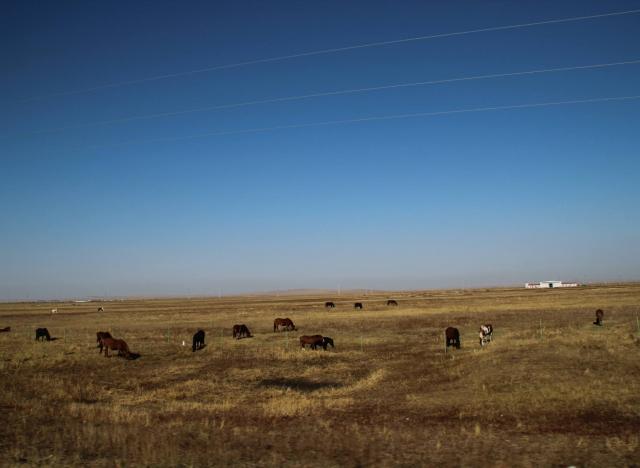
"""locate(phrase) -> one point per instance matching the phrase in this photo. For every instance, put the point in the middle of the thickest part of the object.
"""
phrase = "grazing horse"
(391, 302)
(327, 341)
(316, 340)
(115, 345)
(287, 323)
(329, 305)
(357, 305)
(452, 337)
(240, 331)
(313, 340)
(100, 309)
(599, 317)
(198, 340)
(5, 329)
(99, 336)
(42, 334)
(486, 334)
(54, 311)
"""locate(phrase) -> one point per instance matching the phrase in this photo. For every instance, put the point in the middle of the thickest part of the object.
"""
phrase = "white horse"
(486, 334)
(54, 311)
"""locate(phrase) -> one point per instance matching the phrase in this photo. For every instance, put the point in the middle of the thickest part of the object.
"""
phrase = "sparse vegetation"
(551, 389)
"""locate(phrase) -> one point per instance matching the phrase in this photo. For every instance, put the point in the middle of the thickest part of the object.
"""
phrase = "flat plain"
(552, 389)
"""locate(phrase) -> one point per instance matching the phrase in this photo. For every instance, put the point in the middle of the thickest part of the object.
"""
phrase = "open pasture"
(551, 389)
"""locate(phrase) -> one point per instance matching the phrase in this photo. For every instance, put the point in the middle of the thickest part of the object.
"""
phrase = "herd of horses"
(107, 342)
(358, 305)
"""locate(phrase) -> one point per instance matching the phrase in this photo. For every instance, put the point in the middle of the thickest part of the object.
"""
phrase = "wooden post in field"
(541, 332)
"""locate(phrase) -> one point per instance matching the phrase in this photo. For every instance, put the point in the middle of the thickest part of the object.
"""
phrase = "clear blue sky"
(457, 200)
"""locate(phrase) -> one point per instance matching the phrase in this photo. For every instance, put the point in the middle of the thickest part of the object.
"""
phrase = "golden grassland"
(551, 389)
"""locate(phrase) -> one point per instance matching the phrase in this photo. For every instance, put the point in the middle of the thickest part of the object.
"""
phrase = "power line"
(326, 94)
(369, 119)
(336, 50)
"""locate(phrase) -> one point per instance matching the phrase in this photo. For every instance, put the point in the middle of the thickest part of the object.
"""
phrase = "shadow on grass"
(298, 384)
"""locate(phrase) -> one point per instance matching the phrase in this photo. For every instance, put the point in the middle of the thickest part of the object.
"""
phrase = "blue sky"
(458, 200)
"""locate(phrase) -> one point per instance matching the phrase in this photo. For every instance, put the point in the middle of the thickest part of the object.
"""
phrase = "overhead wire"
(334, 50)
(368, 119)
(326, 94)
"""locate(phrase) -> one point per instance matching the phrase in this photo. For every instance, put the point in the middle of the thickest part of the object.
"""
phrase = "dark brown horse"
(115, 345)
(42, 334)
(5, 329)
(286, 323)
(241, 331)
(391, 302)
(357, 305)
(198, 341)
(329, 305)
(452, 337)
(599, 317)
(99, 336)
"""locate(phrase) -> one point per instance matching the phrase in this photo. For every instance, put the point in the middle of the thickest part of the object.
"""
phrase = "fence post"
(541, 330)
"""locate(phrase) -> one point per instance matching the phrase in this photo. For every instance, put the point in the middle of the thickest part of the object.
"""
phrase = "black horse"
(329, 305)
(42, 334)
(357, 305)
(599, 317)
(327, 341)
(391, 302)
(198, 340)
(452, 336)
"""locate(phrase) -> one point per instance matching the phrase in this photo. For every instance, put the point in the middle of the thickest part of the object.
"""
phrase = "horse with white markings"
(485, 334)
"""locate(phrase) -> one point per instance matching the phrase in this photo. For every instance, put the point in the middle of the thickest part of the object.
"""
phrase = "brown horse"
(115, 345)
(452, 337)
(286, 323)
(99, 336)
(357, 305)
(316, 340)
(5, 329)
(313, 340)
(599, 317)
(241, 331)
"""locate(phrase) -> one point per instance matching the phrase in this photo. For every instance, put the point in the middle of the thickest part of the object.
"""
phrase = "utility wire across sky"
(326, 94)
(368, 119)
(335, 50)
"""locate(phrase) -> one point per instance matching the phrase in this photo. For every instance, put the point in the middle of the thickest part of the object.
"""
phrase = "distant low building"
(550, 284)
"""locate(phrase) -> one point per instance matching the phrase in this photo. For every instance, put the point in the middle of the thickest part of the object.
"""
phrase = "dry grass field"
(551, 389)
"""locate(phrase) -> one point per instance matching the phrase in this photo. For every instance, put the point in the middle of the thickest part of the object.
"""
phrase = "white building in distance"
(550, 284)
